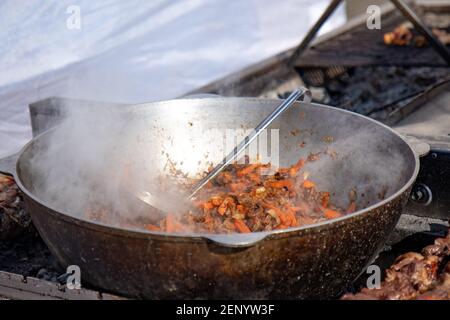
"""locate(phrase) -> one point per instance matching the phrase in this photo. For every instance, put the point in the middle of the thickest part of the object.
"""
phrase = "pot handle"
(241, 240)
(8, 164)
(419, 147)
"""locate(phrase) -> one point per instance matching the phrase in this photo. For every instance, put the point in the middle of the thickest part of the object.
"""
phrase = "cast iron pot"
(308, 262)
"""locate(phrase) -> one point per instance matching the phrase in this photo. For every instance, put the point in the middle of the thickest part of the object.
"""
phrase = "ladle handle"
(296, 94)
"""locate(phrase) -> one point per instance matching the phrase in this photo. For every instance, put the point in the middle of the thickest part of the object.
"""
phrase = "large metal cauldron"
(316, 261)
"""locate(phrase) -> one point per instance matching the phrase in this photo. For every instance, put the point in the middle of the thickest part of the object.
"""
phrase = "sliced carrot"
(248, 169)
(296, 167)
(152, 227)
(208, 206)
(216, 201)
(170, 223)
(285, 219)
(241, 208)
(331, 214)
(241, 226)
(254, 177)
(308, 184)
(173, 225)
(286, 216)
(291, 217)
(221, 210)
(280, 184)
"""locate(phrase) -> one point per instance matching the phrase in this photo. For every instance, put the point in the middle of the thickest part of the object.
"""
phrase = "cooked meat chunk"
(415, 276)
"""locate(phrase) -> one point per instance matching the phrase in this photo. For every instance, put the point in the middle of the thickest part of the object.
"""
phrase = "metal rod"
(423, 29)
(313, 31)
(253, 135)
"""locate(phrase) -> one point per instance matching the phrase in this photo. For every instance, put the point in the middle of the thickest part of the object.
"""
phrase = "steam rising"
(100, 153)
(86, 164)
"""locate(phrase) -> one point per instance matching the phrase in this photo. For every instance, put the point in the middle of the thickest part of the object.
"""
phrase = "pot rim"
(233, 239)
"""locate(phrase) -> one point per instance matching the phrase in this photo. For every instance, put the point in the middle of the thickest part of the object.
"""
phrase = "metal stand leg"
(423, 29)
(313, 31)
(399, 4)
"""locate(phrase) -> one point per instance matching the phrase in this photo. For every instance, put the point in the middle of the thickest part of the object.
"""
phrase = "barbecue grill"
(415, 94)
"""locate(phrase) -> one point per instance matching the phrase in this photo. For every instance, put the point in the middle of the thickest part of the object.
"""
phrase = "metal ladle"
(181, 199)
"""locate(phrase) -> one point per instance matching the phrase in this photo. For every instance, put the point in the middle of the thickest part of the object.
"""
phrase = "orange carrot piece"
(170, 223)
(248, 169)
(281, 226)
(216, 201)
(283, 171)
(287, 217)
(280, 184)
(241, 226)
(221, 210)
(308, 184)
(254, 177)
(331, 214)
(296, 167)
(173, 225)
(284, 218)
(208, 205)
(291, 216)
(152, 227)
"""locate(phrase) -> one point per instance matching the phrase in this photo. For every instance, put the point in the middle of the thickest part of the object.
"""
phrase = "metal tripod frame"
(405, 9)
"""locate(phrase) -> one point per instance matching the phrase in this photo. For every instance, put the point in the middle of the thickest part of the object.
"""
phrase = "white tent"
(133, 51)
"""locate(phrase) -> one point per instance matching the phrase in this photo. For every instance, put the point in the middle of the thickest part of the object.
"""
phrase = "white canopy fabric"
(134, 51)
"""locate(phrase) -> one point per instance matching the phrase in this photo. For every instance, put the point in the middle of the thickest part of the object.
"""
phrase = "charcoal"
(373, 90)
